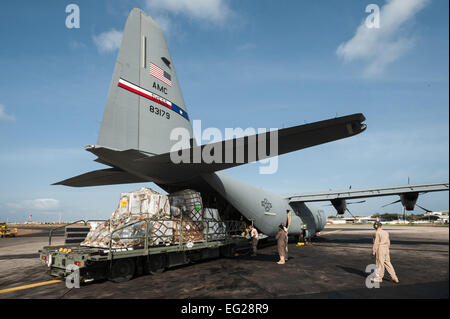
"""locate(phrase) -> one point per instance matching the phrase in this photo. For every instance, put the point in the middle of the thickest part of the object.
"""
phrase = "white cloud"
(108, 41)
(245, 47)
(380, 47)
(164, 23)
(73, 44)
(40, 204)
(216, 11)
(4, 115)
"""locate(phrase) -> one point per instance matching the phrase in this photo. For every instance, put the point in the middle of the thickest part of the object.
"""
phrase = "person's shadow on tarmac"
(354, 271)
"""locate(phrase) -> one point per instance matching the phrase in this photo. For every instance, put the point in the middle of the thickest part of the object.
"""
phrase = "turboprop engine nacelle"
(340, 205)
(409, 200)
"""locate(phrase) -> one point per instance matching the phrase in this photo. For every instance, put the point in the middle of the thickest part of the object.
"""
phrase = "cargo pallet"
(122, 264)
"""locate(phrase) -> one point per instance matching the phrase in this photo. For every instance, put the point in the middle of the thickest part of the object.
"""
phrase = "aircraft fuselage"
(267, 210)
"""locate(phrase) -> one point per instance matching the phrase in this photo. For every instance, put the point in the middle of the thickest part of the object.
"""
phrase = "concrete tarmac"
(331, 267)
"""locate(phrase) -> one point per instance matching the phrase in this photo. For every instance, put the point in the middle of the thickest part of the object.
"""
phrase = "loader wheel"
(157, 264)
(122, 270)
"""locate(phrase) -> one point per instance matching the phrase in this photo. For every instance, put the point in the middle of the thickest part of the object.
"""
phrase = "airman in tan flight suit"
(254, 239)
(381, 244)
(282, 240)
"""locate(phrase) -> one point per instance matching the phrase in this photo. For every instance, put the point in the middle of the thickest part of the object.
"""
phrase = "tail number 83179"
(160, 112)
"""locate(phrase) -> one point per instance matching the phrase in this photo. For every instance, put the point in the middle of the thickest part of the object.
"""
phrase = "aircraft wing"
(368, 192)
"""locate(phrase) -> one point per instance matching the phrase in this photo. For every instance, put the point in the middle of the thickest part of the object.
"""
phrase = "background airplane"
(145, 104)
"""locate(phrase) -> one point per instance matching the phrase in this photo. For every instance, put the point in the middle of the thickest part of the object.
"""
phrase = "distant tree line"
(410, 217)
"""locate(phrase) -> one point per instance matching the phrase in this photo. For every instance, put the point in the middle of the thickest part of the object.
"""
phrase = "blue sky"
(234, 61)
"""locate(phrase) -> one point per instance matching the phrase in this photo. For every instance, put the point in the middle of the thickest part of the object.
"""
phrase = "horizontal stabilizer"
(161, 169)
(102, 177)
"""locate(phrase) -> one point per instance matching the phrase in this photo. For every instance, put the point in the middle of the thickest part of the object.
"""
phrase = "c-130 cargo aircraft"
(145, 104)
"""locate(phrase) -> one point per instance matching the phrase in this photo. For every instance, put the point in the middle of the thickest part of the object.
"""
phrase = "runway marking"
(330, 232)
(30, 286)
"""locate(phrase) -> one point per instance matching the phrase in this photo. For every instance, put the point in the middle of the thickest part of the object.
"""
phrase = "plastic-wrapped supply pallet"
(160, 233)
(191, 230)
(216, 228)
(187, 203)
(131, 236)
(92, 233)
(134, 207)
(211, 213)
(141, 204)
(98, 236)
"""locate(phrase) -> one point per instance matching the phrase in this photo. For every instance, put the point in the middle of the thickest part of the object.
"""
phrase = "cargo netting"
(147, 218)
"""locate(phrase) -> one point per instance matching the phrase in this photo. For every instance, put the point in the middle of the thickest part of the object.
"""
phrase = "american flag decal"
(160, 74)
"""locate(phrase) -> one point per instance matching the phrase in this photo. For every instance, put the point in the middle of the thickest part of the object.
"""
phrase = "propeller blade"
(397, 201)
(362, 201)
(427, 210)
(351, 214)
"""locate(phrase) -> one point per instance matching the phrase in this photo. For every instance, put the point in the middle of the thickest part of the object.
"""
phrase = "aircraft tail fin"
(145, 101)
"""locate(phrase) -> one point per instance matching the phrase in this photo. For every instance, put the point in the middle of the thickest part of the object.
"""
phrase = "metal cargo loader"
(145, 246)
